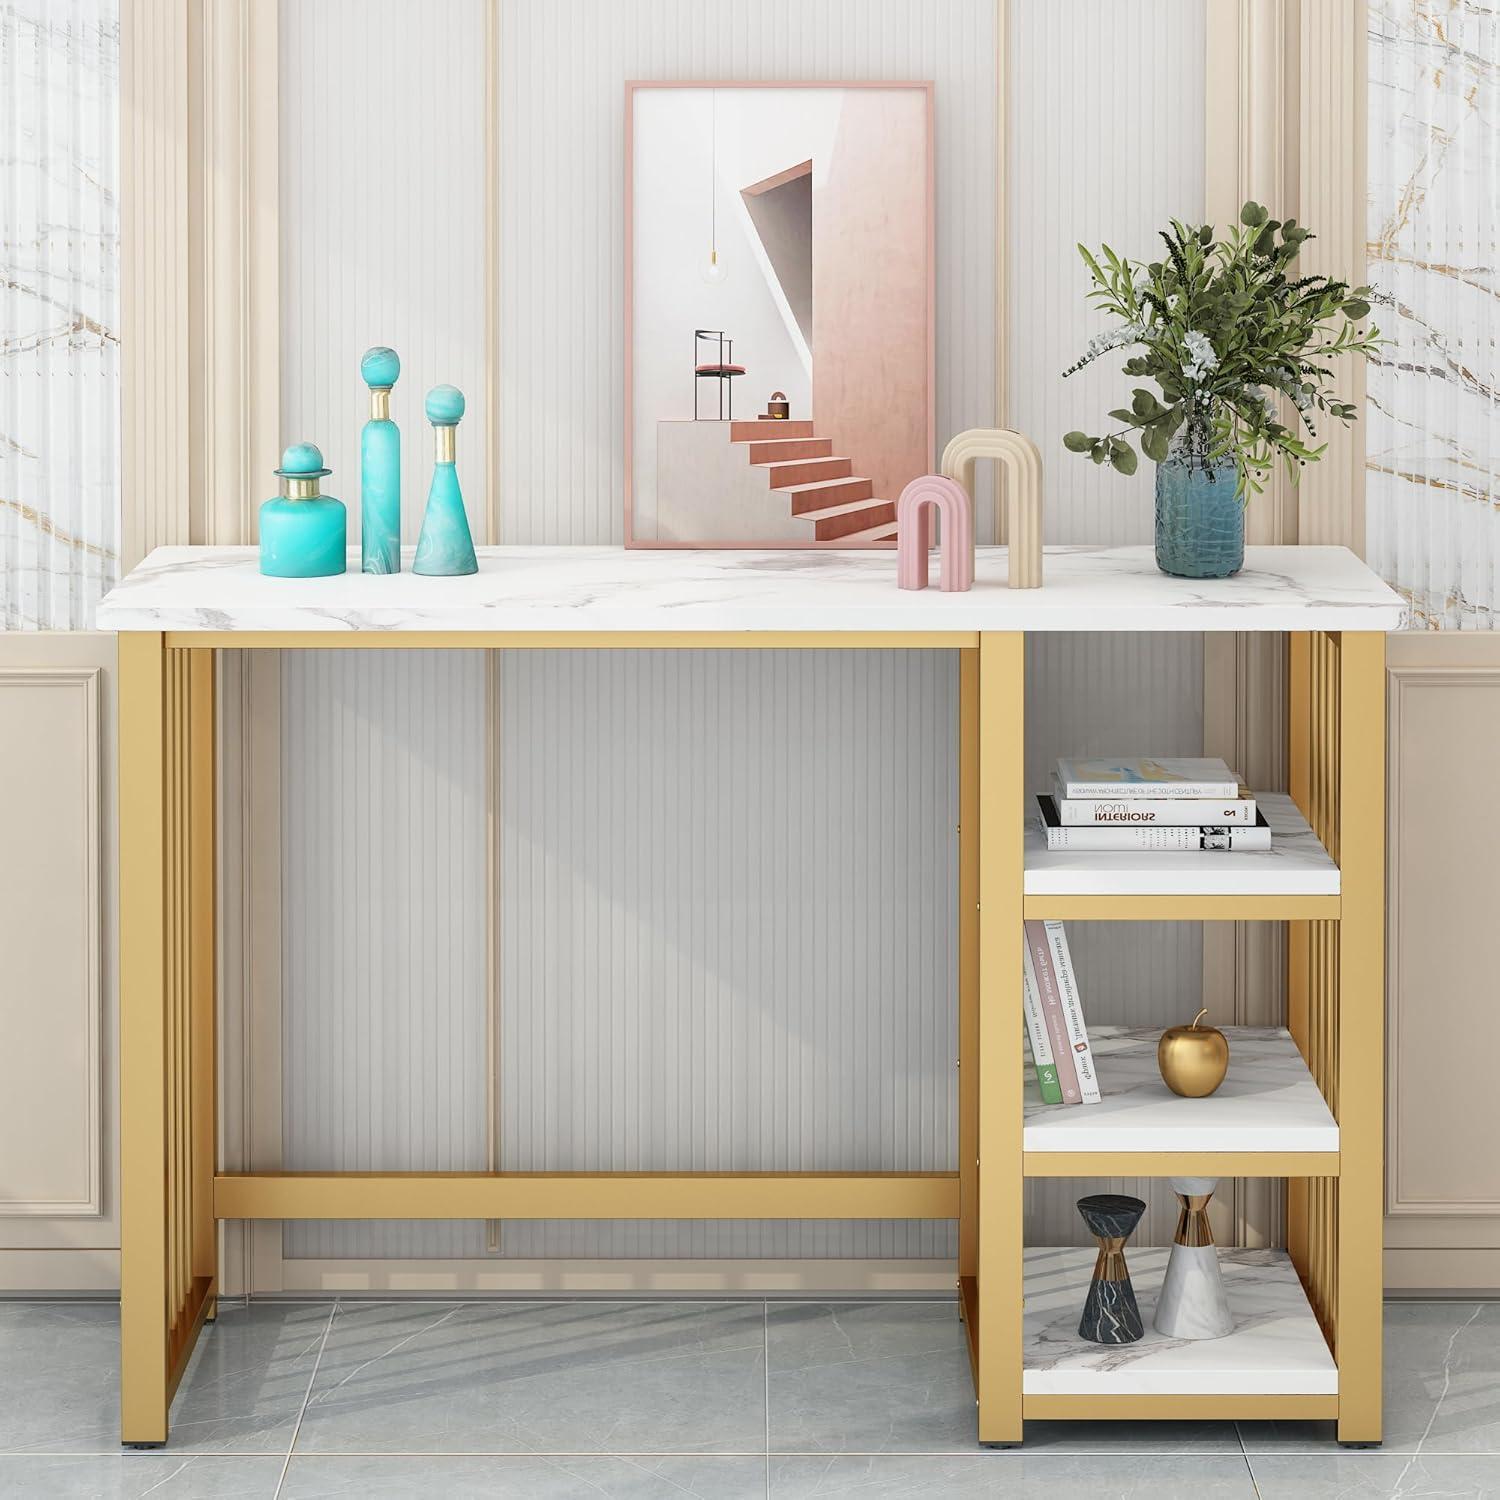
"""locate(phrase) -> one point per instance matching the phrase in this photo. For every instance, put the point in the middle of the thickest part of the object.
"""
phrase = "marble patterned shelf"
(1276, 1348)
(612, 589)
(1267, 1102)
(1296, 864)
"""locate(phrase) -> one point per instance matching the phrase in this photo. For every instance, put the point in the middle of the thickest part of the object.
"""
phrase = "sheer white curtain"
(59, 310)
(1433, 485)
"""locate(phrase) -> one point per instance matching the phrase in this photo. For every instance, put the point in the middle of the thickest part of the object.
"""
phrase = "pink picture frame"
(928, 354)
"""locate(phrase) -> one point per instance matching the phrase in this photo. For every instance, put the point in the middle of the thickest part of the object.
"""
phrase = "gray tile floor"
(628, 1400)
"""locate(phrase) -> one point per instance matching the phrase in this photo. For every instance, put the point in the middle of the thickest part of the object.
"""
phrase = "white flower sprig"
(1224, 328)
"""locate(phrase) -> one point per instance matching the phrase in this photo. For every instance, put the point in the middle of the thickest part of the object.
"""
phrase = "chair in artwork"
(935, 493)
(722, 368)
(1022, 463)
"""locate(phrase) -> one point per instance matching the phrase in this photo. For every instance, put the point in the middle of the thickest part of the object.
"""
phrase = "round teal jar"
(1200, 522)
(303, 532)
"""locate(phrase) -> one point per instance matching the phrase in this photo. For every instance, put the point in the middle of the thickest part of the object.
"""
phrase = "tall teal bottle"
(380, 468)
(445, 547)
(303, 532)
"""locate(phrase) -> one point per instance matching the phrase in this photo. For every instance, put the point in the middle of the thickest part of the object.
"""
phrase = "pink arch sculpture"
(914, 533)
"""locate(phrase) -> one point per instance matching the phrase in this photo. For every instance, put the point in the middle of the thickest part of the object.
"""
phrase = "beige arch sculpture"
(1022, 462)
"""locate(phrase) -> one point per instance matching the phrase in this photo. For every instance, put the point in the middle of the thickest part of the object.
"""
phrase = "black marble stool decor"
(1110, 1315)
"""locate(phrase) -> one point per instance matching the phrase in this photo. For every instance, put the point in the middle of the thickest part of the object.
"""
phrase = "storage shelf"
(1295, 866)
(1268, 1116)
(1276, 1349)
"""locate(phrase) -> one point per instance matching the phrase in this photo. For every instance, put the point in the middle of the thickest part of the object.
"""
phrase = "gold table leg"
(167, 1158)
(999, 1286)
(1360, 1035)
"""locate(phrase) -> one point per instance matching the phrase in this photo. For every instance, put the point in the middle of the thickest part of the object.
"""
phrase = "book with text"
(1150, 812)
(1036, 1033)
(1146, 776)
(1072, 1008)
(1039, 954)
(1162, 836)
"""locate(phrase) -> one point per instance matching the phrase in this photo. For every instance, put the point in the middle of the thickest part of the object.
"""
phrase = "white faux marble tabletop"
(612, 589)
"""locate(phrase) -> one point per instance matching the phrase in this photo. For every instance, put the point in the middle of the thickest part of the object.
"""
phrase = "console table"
(1307, 1102)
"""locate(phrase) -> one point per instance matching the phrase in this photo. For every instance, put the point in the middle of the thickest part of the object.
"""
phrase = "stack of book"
(1054, 1018)
(1144, 803)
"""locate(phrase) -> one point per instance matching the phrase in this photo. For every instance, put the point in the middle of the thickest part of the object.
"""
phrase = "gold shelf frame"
(173, 1193)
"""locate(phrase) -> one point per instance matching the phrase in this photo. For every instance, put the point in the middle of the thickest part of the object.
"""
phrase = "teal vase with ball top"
(303, 532)
(445, 548)
(380, 468)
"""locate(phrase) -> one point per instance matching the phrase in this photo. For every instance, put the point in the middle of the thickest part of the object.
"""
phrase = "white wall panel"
(724, 937)
(564, 64)
(383, 927)
(727, 917)
(1105, 143)
(382, 231)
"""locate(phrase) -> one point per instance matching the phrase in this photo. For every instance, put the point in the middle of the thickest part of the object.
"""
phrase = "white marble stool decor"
(1192, 1304)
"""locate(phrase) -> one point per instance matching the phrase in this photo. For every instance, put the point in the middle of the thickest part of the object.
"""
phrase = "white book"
(1159, 836)
(1147, 776)
(1072, 1009)
(1151, 812)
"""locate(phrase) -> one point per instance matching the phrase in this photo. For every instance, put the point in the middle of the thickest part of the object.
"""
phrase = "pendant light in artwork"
(713, 270)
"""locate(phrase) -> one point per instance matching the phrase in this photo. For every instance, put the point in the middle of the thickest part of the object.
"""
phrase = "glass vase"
(1200, 523)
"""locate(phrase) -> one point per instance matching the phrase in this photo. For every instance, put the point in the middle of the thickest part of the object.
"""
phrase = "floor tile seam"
(302, 1410)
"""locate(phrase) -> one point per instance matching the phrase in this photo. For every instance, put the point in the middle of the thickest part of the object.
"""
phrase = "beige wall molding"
(60, 1201)
(50, 1104)
(1443, 949)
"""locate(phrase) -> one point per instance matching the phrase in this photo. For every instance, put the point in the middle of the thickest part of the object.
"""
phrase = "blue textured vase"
(445, 548)
(303, 532)
(1200, 523)
(380, 468)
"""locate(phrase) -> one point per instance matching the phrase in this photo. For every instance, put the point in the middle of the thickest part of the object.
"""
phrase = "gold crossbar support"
(586, 1195)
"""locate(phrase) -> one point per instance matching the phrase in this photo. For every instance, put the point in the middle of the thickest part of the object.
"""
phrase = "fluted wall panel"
(563, 68)
(383, 926)
(727, 918)
(724, 900)
(382, 161)
(1105, 143)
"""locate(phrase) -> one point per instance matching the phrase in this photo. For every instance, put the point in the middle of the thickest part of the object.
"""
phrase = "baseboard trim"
(34, 1272)
(1442, 1273)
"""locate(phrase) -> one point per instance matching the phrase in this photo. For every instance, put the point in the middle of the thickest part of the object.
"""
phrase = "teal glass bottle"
(445, 548)
(303, 532)
(380, 468)
(1200, 522)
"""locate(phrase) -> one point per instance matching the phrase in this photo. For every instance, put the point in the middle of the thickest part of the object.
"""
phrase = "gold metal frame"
(173, 1193)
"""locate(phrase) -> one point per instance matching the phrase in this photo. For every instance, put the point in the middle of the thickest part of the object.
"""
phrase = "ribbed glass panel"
(59, 311)
(1433, 443)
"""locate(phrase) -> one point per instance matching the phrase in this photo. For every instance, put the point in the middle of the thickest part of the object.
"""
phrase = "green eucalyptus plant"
(1224, 330)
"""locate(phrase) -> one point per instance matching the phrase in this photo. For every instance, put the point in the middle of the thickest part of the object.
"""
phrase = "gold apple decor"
(1193, 1059)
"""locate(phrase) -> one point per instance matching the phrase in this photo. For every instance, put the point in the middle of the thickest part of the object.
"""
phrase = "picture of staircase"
(821, 487)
